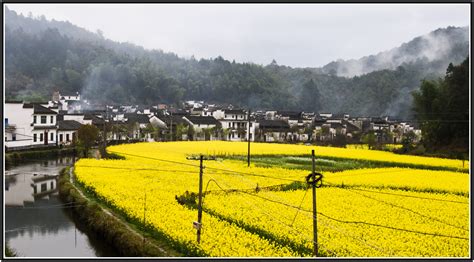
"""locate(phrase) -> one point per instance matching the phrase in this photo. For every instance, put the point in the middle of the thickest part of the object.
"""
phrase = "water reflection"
(37, 223)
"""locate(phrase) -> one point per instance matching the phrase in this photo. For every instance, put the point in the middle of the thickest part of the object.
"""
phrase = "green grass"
(331, 164)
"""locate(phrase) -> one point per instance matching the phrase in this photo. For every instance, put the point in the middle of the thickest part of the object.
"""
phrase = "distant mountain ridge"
(436, 49)
(42, 56)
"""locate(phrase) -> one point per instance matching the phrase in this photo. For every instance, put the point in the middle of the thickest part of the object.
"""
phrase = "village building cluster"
(56, 123)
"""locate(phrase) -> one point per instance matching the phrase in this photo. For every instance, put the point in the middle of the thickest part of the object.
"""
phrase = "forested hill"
(42, 56)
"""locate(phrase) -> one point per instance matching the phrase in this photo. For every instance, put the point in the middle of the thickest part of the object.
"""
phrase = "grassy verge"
(112, 229)
(332, 164)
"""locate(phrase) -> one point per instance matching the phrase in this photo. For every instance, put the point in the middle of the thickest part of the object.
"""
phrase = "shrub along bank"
(14, 158)
(127, 242)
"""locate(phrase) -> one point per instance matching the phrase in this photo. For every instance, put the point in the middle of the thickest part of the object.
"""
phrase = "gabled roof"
(176, 120)
(68, 125)
(291, 114)
(234, 111)
(273, 125)
(137, 118)
(202, 120)
(39, 109)
(43, 127)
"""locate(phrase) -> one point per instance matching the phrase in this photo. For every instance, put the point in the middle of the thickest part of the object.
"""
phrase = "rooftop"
(68, 125)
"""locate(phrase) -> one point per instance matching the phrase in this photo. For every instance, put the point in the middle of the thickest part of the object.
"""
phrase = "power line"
(402, 195)
(141, 169)
(281, 222)
(358, 222)
(410, 210)
(211, 168)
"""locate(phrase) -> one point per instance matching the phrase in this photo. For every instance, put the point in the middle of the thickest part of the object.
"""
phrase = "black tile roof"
(39, 109)
(203, 120)
(44, 127)
(68, 125)
(137, 118)
(234, 111)
(275, 125)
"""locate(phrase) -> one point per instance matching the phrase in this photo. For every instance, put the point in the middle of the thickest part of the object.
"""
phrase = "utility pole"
(144, 221)
(105, 132)
(315, 222)
(248, 138)
(171, 126)
(199, 225)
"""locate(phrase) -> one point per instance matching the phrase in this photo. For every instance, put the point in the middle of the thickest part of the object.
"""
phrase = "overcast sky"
(298, 35)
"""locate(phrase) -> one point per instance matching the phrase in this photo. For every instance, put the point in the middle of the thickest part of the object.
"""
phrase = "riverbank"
(128, 239)
(13, 158)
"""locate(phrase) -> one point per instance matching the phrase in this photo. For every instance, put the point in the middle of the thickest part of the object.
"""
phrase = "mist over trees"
(442, 107)
(42, 56)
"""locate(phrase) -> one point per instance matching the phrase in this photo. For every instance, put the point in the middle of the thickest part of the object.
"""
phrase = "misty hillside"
(436, 50)
(42, 56)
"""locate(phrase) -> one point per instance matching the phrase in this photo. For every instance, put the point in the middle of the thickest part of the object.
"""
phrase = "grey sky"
(298, 35)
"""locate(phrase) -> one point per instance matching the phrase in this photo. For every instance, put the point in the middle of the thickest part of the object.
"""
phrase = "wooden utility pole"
(105, 133)
(144, 221)
(248, 138)
(315, 222)
(171, 126)
(199, 224)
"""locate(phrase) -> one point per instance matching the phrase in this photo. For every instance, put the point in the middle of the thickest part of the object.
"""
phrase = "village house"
(272, 130)
(67, 131)
(235, 121)
(18, 128)
(44, 125)
(204, 127)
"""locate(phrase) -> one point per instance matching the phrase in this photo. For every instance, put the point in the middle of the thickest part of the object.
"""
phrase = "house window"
(67, 137)
(250, 136)
(52, 185)
(14, 137)
(34, 137)
(229, 124)
(44, 187)
(43, 119)
(233, 116)
(41, 137)
(34, 119)
(52, 119)
(225, 116)
(51, 136)
(61, 138)
(6, 121)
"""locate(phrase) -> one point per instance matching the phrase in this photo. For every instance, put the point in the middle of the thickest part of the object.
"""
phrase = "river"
(37, 224)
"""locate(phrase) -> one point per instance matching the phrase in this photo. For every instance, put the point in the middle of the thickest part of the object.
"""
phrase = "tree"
(310, 98)
(87, 135)
(442, 108)
(369, 139)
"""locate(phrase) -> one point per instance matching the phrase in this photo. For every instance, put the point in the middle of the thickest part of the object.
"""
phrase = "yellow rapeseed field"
(361, 212)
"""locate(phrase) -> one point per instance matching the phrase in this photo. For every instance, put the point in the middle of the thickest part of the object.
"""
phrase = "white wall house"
(235, 121)
(67, 131)
(200, 123)
(44, 125)
(79, 117)
(18, 129)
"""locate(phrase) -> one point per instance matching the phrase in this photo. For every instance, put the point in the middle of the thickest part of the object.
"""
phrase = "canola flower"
(403, 178)
(173, 149)
(357, 223)
(233, 228)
